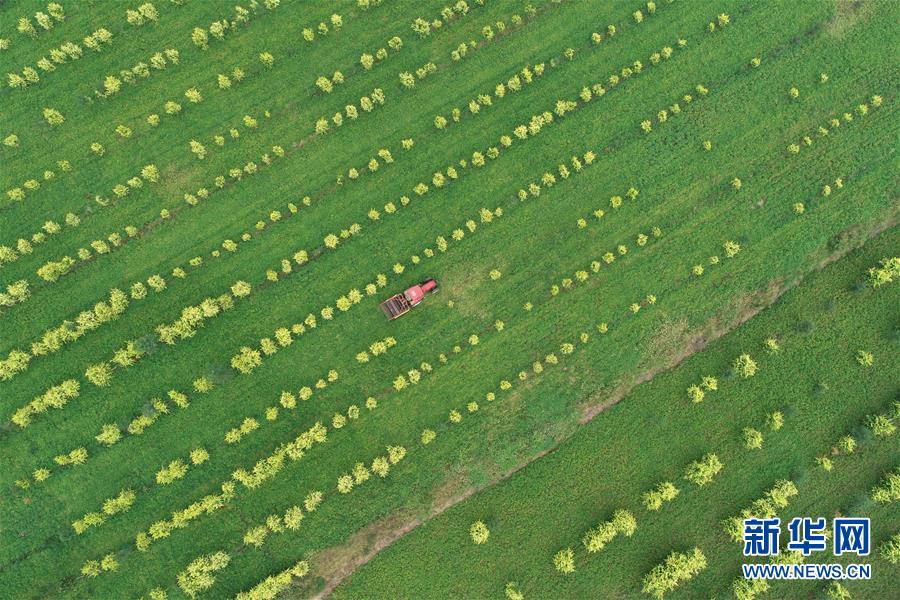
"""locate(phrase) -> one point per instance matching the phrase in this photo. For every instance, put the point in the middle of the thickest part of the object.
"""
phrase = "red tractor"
(400, 304)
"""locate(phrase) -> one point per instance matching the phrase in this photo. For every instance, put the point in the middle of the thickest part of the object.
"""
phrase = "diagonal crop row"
(521, 132)
(67, 332)
(149, 174)
(529, 74)
(834, 124)
(60, 55)
(54, 270)
(346, 483)
(45, 21)
(254, 480)
(174, 108)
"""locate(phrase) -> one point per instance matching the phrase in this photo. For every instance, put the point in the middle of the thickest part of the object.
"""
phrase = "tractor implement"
(400, 304)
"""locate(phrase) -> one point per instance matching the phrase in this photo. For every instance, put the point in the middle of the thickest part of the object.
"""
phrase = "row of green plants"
(286, 400)
(25, 247)
(112, 84)
(664, 115)
(66, 332)
(45, 21)
(266, 468)
(101, 374)
(385, 156)
(67, 52)
(52, 270)
(16, 292)
(528, 74)
(499, 28)
(729, 247)
(217, 30)
(448, 14)
(250, 123)
(862, 110)
(30, 186)
(53, 340)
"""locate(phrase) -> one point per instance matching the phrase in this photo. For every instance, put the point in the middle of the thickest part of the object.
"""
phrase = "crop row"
(66, 52)
(322, 126)
(55, 338)
(24, 247)
(154, 119)
(249, 123)
(360, 473)
(67, 332)
(200, 36)
(46, 21)
(528, 73)
(112, 84)
(265, 471)
(497, 29)
(861, 110)
(18, 194)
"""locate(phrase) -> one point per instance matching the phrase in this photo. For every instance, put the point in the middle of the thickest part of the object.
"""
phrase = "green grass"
(683, 190)
(654, 432)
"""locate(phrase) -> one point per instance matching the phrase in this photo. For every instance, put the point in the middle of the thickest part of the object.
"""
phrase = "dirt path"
(342, 561)
(337, 563)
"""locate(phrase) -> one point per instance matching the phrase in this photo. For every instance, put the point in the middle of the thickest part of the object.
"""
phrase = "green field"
(666, 180)
(814, 380)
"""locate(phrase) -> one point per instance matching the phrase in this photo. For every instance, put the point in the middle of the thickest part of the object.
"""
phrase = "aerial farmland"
(484, 299)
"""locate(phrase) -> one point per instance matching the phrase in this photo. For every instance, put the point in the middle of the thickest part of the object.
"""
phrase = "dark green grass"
(683, 189)
(654, 432)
